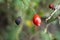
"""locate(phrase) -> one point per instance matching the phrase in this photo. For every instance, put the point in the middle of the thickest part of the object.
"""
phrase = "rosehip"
(36, 20)
(18, 20)
(52, 6)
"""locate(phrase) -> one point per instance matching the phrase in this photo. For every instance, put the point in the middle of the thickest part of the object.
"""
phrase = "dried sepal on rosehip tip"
(18, 20)
(52, 6)
(36, 20)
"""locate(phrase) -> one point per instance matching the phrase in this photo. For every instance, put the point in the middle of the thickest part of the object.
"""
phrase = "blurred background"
(22, 28)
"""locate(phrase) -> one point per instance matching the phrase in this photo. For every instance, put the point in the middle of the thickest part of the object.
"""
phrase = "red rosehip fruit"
(36, 20)
(52, 6)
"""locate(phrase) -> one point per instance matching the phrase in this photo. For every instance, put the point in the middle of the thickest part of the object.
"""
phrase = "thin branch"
(51, 15)
(58, 7)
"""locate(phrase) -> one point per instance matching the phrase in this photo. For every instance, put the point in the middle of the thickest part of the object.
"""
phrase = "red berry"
(52, 6)
(36, 20)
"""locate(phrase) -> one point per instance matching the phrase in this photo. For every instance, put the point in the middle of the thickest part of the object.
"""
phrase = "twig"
(51, 15)
(46, 29)
(57, 8)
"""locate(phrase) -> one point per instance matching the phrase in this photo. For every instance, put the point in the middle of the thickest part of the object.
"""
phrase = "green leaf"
(51, 20)
(1, 1)
(41, 13)
(32, 30)
(57, 35)
(45, 36)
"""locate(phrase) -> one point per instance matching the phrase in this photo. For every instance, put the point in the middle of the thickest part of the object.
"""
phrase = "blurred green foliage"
(26, 9)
